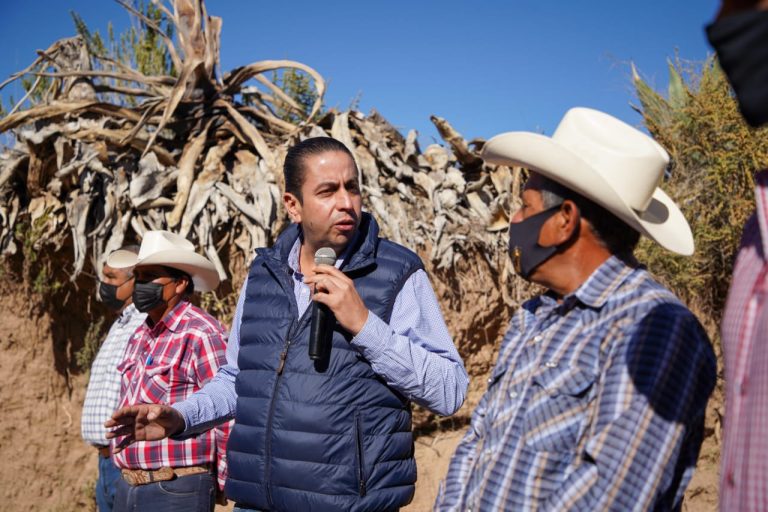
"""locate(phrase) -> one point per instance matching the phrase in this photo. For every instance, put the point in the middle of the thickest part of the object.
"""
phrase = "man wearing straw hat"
(173, 354)
(335, 433)
(598, 395)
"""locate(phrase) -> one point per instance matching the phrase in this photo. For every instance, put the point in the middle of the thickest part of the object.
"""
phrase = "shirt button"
(550, 364)
(537, 339)
(513, 394)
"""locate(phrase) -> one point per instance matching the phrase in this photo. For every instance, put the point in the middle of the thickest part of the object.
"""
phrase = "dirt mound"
(50, 467)
(42, 391)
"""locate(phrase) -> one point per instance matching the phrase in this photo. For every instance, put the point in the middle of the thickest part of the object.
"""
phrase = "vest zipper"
(283, 357)
(360, 459)
(272, 403)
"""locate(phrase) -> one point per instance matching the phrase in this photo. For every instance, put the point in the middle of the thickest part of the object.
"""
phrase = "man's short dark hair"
(293, 168)
(615, 235)
(178, 274)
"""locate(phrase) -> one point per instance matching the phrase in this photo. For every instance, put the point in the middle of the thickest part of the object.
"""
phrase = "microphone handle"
(321, 330)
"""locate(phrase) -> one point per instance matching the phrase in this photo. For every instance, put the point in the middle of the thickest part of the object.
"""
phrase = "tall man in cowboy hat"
(173, 354)
(597, 398)
(332, 436)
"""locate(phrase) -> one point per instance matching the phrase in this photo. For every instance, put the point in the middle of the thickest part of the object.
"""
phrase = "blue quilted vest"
(336, 439)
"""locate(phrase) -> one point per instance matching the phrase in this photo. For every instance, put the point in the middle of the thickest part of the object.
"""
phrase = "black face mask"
(147, 296)
(741, 42)
(524, 248)
(108, 295)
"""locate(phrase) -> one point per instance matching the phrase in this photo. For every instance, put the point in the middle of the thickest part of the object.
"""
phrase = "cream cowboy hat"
(170, 250)
(607, 161)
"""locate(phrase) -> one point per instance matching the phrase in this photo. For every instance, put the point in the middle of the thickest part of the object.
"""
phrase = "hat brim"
(662, 221)
(204, 274)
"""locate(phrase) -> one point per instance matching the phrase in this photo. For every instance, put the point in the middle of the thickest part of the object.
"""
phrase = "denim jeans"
(106, 484)
(191, 493)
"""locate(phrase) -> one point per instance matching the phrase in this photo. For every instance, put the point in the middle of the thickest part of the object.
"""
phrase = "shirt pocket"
(156, 384)
(126, 371)
(558, 408)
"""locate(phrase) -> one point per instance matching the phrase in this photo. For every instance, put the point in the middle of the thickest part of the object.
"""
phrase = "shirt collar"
(761, 208)
(601, 284)
(128, 314)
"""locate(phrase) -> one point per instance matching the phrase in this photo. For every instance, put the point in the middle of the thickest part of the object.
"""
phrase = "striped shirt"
(103, 391)
(165, 364)
(596, 403)
(744, 461)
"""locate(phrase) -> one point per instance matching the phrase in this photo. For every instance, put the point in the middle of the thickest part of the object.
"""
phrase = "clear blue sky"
(487, 66)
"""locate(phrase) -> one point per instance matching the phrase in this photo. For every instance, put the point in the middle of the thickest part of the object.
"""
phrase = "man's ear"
(568, 221)
(181, 285)
(292, 206)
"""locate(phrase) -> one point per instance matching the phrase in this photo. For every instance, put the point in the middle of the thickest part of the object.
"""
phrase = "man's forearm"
(428, 378)
(214, 404)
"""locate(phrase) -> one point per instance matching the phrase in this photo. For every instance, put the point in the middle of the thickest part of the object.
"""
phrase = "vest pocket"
(359, 454)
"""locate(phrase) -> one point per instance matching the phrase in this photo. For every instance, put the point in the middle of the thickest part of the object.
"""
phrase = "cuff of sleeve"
(187, 411)
(373, 338)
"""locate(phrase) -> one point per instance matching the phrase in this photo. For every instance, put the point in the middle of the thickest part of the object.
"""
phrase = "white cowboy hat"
(170, 250)
(607, 161)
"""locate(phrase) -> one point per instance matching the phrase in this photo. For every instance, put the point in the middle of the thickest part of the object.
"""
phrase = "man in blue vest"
(338, 436)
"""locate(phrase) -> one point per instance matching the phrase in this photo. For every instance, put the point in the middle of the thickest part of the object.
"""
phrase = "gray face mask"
(524, 248)
(147, 296)
(108, 295)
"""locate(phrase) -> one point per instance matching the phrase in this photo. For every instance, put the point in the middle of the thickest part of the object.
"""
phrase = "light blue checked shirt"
(596, 403)
(103, 393)
(414, 354)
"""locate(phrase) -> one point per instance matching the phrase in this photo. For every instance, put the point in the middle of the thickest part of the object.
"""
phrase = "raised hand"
(144, 422)
(337, 291)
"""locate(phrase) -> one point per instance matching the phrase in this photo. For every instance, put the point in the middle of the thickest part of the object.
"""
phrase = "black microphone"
(321, 328)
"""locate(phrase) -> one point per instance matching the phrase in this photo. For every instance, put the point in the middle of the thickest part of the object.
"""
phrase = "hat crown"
(630, 161)
(157, 241)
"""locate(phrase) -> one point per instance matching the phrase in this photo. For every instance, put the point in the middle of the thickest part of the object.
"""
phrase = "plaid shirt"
(596, 403)
(103, 392)
(166, 364)
(744, 462)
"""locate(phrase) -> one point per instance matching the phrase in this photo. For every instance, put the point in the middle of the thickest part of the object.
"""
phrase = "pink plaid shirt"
(166, 364)
(744, 470)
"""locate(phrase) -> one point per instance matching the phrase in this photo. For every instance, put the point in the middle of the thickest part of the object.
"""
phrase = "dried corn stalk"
(201, 155)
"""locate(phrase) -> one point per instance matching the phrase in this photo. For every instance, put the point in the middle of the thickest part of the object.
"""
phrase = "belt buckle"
(143, 477)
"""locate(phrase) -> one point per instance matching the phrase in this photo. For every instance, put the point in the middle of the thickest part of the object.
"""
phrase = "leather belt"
(103, 451)
(142, 476)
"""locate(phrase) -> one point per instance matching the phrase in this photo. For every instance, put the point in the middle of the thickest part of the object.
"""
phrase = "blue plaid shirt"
(103, 391)
(596, 403)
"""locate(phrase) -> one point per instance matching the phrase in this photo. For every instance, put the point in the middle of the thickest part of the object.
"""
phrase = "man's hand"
(337, 291)
(144, 422)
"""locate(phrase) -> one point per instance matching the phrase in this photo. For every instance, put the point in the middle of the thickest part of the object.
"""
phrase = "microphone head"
(325, 256)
